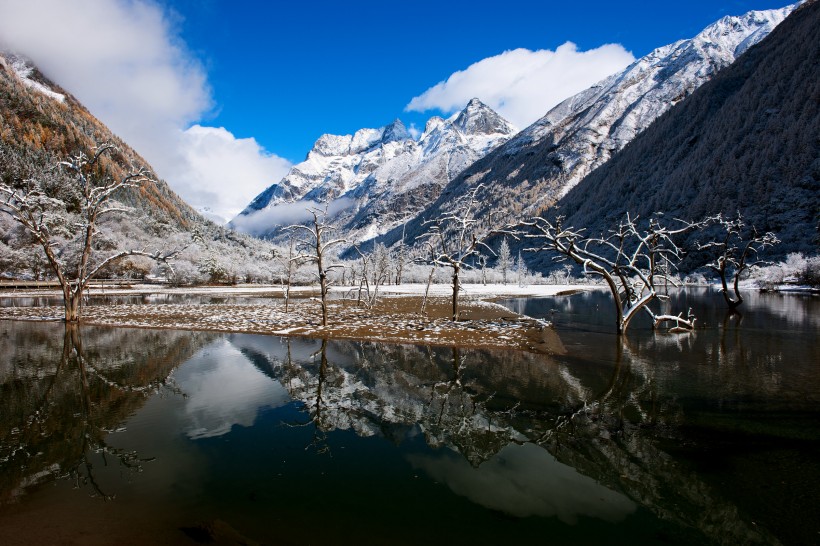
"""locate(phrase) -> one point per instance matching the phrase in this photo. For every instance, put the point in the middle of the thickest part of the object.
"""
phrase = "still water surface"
(139, 436)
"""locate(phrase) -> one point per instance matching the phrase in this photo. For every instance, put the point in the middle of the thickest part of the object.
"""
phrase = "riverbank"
(395, 318)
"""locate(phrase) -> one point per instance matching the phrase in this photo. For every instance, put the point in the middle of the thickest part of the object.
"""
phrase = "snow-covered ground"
(472, 291)
(396, 318)
(487, 290)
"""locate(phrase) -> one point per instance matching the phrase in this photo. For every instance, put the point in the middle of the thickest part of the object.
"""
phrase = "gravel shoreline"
(394, 319)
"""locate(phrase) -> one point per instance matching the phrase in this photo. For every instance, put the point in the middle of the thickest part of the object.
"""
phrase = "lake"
(134, 436)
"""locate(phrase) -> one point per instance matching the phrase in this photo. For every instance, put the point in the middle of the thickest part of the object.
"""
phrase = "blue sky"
(285, 73)
(222, 97)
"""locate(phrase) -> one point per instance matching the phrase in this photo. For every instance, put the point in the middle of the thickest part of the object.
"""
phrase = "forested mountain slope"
(40, 125)
(531, 171)
(41, 122)
(748, 141)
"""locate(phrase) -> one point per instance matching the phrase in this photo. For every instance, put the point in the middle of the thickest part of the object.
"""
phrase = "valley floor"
(396, 318)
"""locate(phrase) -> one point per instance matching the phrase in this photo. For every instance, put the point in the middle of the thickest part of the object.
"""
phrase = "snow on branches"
(456, 237)
(632, 259)
(61, 209)
(735, 252)
(314, 246)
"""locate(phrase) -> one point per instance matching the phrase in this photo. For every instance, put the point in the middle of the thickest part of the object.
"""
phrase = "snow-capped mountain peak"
(432, 124)
(584, 131)
(478, 118)
(374, 169)
(362, 140)
(396, 131)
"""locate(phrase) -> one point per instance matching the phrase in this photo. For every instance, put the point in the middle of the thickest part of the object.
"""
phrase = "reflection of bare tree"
(62, 401)
(615, 436)
(92, 439)
(317, 411)
(608, 427)
(457, 417)
(360, 388)
(327, 394)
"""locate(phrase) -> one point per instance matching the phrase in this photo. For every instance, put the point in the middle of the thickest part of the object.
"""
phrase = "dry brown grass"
(393, 320)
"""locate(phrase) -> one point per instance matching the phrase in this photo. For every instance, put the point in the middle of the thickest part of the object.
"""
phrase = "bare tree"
(314, 248)
(631, 260)
(422, 259)
(504, 261)
(380, 264)
(455, 237)
(400, 258)
(62, 215)
(735, 253)
(375, 272)
(286, 278)
(482, 262)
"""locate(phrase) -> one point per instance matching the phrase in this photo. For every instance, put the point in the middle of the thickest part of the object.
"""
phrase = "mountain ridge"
(527, 175)
(378, 175)
(745, 141)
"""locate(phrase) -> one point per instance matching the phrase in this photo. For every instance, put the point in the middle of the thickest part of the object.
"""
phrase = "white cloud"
(215, 166)
(286, 213)
(414, 131)
(225, 390)
(523, 85)
(526, 480)
(124, 61)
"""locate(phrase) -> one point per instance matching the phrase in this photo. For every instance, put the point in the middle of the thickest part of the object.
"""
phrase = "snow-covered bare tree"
(381, 266)
(482, 262)
(521, 271)
(286, 276)
(504, 261)
(400, 254)
(631, 259)
(314, 247)
(61, 209)
(735, 253)
(426, 254)
(375, 271)
(457, 236)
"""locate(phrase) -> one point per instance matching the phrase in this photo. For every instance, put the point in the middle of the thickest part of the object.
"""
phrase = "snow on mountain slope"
(531, 171)
(24, 70)
(746, 141)
(376, 177)
(588, 128)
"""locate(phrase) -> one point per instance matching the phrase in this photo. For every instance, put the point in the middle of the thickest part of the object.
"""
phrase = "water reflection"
(224, 391)
(525, 480)
(64, 396)
(593, 428)
(599, 439)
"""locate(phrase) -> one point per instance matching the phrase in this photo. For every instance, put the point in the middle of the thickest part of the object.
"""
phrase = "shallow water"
(99, 298)
(137, 436)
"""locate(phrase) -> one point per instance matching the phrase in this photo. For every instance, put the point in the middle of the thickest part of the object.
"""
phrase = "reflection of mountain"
(482, 405)
(60, 396)
(371, 387)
